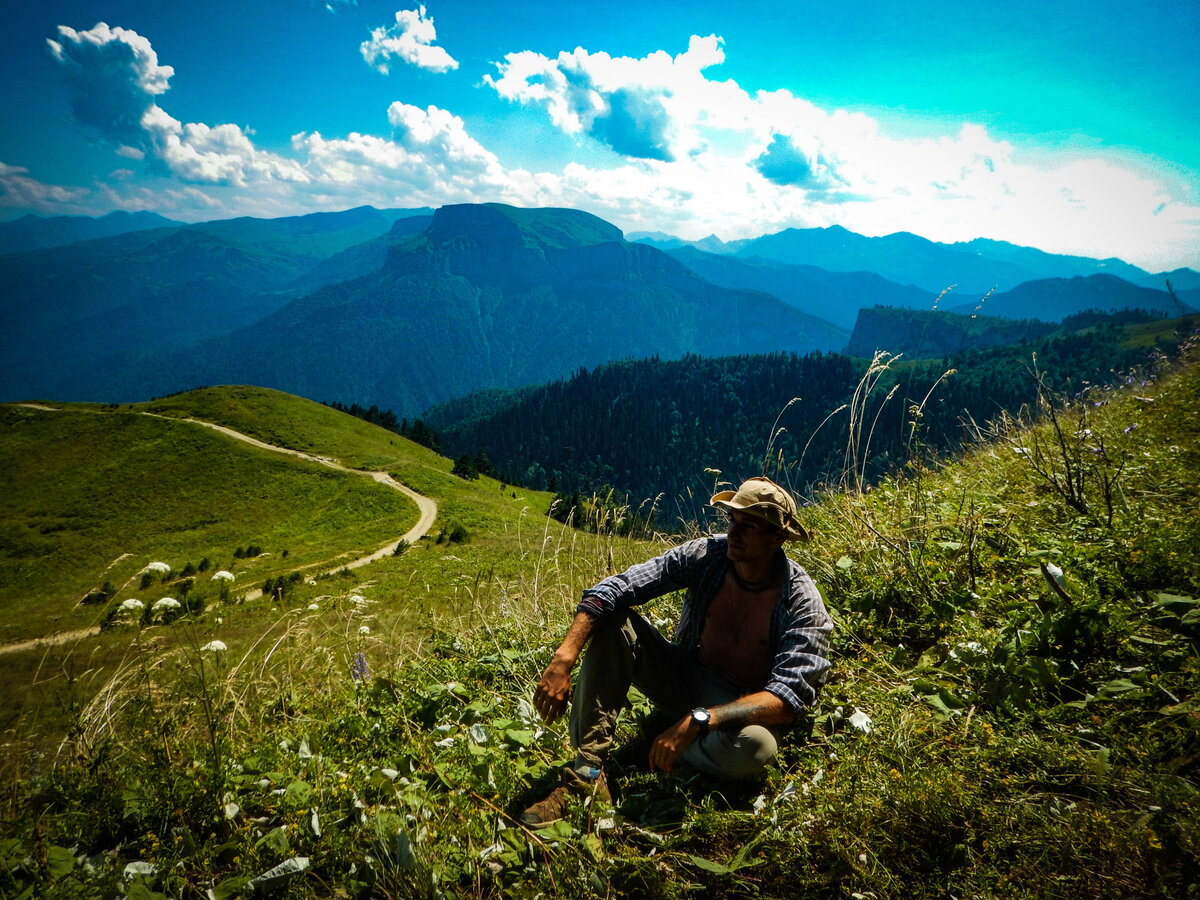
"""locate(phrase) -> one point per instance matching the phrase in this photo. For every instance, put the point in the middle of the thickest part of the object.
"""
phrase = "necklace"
(752, 587)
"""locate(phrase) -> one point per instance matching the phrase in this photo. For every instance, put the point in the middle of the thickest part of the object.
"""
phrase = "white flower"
(131, 605)
(159, 568)
(164, 604)
(357, 599)
(364, 630)
(222, 576)
(220, 621)
(214, 647)
(313, 607)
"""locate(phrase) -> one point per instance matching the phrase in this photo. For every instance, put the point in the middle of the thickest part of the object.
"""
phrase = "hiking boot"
(571, 784)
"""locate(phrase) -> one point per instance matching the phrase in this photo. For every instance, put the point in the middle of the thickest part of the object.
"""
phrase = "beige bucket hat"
(764, 498)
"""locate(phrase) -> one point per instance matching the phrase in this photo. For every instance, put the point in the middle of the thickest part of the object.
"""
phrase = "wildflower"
(1130, 428)
(222, 575)
(314, 607)
(358, 668)
(214, 647)
(131, 606)
(364, 630)
(164, 604)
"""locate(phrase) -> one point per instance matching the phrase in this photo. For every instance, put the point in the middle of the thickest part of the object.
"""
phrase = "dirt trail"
(426, 507)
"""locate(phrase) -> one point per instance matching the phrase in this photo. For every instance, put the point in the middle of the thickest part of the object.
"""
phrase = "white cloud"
(411, 39)
(114, 75)
(692, 155)
(641, 108)
(20, 192)
(430, 160)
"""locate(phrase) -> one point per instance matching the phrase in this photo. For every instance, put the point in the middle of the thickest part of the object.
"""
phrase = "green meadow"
(96, 495)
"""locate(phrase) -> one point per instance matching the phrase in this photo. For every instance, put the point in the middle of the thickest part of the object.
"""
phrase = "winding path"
(426, 507)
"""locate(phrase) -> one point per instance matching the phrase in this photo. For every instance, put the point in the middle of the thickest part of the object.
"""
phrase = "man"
(749, 652)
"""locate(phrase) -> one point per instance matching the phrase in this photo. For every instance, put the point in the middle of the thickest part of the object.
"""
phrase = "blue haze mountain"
(1052, 299)
(155, 291)
(36, 233)
(835, 296)
(484, 296)
(974, 266)
(409, 308)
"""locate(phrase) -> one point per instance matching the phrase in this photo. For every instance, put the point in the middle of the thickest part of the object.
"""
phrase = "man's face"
(751, 539)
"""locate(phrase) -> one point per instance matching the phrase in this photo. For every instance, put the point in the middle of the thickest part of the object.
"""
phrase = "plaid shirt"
(800, 625)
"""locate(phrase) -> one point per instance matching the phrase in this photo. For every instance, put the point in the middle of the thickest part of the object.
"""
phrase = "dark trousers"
(630, 651)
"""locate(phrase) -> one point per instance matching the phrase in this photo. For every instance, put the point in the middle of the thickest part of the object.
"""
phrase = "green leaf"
(709, 866)
(1173, 600)
(298, 793)
(139, 891)
(275, 839)
(939, 707)
(60, 861)
(559, 831)
(520, 737)
(593, 847)
(745, 857)
(845, 563)
(12, 852)
(229, 888)
(514, 839)
(1116, 686)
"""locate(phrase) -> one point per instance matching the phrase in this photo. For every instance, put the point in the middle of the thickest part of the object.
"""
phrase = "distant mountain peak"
(543, 228)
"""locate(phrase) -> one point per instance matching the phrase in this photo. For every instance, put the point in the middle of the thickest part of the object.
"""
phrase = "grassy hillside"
(285, 420)
(1013, 709)
(92, 495)
(95, 495)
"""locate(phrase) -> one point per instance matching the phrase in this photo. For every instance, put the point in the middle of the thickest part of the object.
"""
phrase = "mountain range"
(410, 308)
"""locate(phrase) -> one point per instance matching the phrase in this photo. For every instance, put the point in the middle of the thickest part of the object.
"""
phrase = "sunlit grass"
(1011, 711)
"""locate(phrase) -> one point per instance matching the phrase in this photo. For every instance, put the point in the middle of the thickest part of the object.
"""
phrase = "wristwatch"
(702, 717)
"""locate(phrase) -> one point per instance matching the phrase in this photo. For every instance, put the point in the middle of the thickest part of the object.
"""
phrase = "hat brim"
(724, 500)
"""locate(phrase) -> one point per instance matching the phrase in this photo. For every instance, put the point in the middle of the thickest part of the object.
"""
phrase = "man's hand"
(669, 745)
(553, 691)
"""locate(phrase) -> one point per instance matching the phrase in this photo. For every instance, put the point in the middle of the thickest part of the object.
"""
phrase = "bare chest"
(736, 638)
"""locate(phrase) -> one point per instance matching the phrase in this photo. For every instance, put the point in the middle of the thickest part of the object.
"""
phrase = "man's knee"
(733, 755)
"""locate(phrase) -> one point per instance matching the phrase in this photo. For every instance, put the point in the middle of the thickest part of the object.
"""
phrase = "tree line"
(665, 433)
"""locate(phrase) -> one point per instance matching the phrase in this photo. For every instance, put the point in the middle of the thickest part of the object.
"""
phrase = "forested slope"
(655, 428)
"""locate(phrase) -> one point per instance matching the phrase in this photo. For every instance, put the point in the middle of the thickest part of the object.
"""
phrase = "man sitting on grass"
(749, 653)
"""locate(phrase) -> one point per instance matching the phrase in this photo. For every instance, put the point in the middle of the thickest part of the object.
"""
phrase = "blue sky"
(1070, 126)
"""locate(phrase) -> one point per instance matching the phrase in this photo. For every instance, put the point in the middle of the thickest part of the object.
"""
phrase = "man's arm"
(554, 690)
(759, 708)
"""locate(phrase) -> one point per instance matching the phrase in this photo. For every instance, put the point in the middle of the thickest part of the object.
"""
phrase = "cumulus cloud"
(642, 108)
(411, 39)
(430, 160)
(114, 74)
(115, 77)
